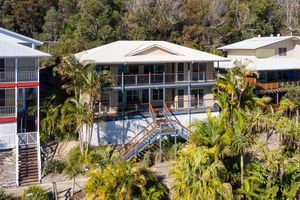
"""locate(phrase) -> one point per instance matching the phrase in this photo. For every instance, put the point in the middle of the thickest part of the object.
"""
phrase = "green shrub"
(167, 149)
(54, 166)
(35, 193)
(148, 159)
(4, 196)
(73, 162)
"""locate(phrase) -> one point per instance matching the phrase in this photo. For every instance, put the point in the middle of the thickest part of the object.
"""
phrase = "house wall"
(7, 135)
(289, 44)
(113, 131)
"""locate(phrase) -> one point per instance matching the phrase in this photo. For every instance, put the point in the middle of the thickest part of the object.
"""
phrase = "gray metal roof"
(256, 42)
(17, 38)
(14, 50)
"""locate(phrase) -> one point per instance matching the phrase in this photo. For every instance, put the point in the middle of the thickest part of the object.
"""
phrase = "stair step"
(29, 175)
(28, 181)
(24, 171)
(28, 160)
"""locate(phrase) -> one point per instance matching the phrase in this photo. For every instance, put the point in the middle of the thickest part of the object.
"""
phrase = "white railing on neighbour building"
(7, 111)
(27, 76)
(23, 76)
(7, 141)
(27, 138)
(7, 77)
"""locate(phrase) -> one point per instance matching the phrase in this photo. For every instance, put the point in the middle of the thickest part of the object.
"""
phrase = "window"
(158, 94)
(2, 97)
(197, 97)
(262, 76)
(158, 69)
(282, 51)
(2, 65)
(180, 71)
(133, 69)
(199, 70)
(132, 96)
(148, 69)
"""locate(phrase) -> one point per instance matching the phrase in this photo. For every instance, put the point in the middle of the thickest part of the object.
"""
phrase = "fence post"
(54, 190)
(73, 187)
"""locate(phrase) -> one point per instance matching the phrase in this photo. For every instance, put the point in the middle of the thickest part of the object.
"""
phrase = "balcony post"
(149, 78)
(164, 88)
(189, 92)
(149, 94)
(123, 106)
(38, 120)
(136, 79)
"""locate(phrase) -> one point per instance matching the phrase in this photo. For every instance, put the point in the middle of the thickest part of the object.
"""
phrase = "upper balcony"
(21, 76)
(157, 79)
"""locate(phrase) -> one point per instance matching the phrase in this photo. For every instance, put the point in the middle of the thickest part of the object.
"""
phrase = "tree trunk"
(242, 170)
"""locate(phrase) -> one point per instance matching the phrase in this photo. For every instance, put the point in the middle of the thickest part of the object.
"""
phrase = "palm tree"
(212, 133)
(70, 71)
(243, 137)
(121, 180)
(79, 115)
(197, 175)
(239, 93)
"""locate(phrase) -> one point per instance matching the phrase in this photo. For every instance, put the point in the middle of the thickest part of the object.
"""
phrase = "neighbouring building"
(156, 82)
(19, 106)
(275, 59)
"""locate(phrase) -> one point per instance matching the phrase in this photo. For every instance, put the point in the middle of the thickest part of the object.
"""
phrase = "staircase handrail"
(134, 144)
(132, 139)
(176, 119)
(152, 113)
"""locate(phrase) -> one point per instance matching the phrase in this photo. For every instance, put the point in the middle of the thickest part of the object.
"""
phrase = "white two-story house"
(19, 96)
(151, 77)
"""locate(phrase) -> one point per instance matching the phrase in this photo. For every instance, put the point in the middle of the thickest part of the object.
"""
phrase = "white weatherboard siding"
(8, 135)
(139, 52)
(112, 131)
(266, 64)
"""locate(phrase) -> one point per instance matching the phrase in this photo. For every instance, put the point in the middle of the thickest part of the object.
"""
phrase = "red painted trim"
(10, 85)
(12, 119)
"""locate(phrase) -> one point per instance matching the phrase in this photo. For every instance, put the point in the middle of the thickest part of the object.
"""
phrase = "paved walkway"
(61, 186)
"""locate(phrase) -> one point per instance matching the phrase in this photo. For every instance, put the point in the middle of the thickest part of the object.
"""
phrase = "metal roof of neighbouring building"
(14, 50)
(257, 42)
(17, 38)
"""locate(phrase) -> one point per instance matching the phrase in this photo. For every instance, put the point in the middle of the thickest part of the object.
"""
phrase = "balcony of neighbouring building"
(275, 85)
(22, 76)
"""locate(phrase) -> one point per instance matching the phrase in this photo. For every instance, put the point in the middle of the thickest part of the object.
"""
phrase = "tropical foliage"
(122, 180)
(35, 193)
(229, 147)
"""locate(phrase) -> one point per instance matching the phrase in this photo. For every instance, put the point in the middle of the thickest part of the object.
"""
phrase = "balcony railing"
(164, 78)
(27, 138)
(275, 85)
(23, 76)
(176, 106)
(7, 111)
